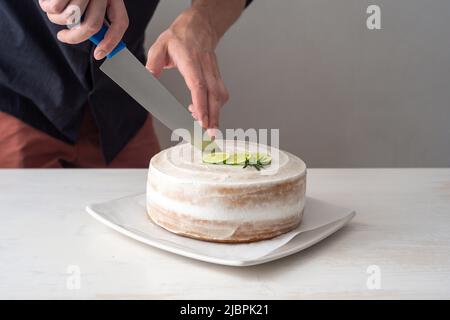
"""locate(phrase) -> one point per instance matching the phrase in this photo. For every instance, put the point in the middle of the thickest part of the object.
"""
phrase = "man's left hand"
(189, 45)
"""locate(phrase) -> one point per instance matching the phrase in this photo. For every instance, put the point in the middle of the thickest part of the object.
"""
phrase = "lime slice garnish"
(252, 158)
(215, 158)
(237, 158)
(261, 158)
(264, 158)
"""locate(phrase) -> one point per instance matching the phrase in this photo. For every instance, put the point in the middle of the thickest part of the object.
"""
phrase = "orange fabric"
(22, 146)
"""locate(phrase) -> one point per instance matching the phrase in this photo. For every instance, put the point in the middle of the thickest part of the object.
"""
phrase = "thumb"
(157, 58)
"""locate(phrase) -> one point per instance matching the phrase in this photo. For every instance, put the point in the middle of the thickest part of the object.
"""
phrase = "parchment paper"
(130, 213)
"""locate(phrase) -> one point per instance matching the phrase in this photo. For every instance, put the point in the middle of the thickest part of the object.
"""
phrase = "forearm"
(221, 13)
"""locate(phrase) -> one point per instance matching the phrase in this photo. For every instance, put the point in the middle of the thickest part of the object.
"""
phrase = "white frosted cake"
(225, 203)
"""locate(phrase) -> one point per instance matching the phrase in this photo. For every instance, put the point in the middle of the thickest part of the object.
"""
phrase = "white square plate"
(128, 216)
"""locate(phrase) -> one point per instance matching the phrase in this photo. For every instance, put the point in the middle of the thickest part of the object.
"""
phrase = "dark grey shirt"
(47, 84)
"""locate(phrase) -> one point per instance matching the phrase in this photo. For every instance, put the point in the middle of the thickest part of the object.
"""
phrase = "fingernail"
(100, 54)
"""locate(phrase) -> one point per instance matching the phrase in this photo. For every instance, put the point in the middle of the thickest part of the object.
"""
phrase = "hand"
(189, 45)
(66, 12)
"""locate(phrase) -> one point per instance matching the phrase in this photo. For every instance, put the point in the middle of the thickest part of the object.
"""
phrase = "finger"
(93, 22)
(74, 9)
(215, 110)
(53, 6)
(157, 58)
(192, 73)
(118, 18)
(217, 94)
(214, 105)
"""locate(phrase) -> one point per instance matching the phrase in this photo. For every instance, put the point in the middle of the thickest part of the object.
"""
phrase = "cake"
(226, 203)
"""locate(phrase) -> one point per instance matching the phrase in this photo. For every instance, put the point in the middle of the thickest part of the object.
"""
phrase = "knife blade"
(129, 73)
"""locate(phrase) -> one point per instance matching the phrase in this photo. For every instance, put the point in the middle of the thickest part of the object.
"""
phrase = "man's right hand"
(63, 12)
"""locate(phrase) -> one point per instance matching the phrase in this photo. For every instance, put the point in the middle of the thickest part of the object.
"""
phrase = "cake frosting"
(225, 203)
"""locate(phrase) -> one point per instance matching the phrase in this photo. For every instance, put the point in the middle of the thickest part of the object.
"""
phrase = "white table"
(402, 226)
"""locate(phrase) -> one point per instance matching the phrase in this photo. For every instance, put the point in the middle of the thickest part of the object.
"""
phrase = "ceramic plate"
(128, 216)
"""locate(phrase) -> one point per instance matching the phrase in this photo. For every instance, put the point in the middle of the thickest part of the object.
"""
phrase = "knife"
(129, 73)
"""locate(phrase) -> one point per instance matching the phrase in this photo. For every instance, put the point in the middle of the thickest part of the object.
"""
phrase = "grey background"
(341, 95)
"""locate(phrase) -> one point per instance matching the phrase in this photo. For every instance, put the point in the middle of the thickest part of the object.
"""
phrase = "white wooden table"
(402, 226)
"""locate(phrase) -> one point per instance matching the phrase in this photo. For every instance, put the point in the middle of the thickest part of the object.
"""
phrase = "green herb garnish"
(258, 165)
(255, 160)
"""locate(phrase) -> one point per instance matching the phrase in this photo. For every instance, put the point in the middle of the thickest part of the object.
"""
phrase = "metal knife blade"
(129, 73)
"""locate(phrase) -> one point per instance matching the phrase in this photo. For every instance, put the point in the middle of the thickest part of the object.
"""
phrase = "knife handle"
(98, 37)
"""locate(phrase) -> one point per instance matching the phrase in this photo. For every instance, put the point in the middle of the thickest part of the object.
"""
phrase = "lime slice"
(261, 158)
(264, 158)
(253, 158)
(237, 158)
(215, 158)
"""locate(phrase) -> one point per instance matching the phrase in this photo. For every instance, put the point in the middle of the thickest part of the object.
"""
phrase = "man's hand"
(65, 12)
(189, 45)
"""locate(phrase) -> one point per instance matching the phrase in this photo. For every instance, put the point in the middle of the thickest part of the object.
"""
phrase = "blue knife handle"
(98, 37)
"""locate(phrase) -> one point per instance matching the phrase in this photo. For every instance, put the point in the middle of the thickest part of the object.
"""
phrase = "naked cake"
(228, 201)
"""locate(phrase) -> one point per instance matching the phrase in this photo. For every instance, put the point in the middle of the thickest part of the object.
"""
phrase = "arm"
(189, 45)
